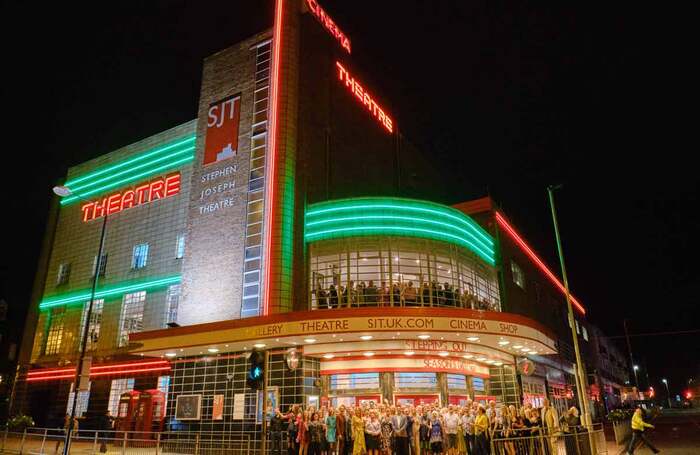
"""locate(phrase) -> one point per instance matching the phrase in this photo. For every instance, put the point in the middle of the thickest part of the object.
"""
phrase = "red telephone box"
(150, 413)
(126, 412)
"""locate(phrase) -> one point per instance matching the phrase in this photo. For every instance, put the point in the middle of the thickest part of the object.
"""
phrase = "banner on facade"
(222, 130)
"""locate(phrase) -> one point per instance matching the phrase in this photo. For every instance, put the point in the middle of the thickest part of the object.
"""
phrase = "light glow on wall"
(500, 219)
(142, 166)
(397, 217)
(105, 292)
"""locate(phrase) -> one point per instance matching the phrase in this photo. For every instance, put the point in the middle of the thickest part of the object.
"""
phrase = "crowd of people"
(385, 429)
(399, 294)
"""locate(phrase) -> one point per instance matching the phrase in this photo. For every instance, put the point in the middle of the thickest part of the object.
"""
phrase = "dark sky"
(507, 97)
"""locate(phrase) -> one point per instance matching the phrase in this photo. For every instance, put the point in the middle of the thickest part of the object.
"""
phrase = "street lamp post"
(668, 394)
(581, 378)
(64, 191)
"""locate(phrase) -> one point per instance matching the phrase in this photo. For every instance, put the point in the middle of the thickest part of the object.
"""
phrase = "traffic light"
(256, 371)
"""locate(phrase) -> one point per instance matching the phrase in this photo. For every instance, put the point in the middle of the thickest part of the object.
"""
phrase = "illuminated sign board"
(328, 23)
(153, 190)
(364, 98)
(222, 130)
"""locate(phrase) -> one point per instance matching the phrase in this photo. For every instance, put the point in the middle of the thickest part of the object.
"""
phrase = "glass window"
(456, 381)
(63, 273)
(354, 381)
(103, 265)
(119, 386)
(54, 336)
(95, 323)
(139, 258)
(415, 380)
(180, 246)
(585, 333)
(163, 386)
(172, 302)
(518, 275)
(83, 399)
(478, 384)
(578, 328)
(132, 316)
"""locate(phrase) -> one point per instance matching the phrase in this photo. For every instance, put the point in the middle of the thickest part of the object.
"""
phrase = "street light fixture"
(635, 368)
(64, 191)
(668, 394)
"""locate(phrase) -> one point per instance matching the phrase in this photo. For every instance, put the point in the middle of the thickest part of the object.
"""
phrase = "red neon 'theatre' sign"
(147, 192)
(365, 98)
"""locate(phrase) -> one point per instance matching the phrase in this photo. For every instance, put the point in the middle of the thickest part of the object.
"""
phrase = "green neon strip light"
(129, 179)
(402, 218)
(397, 216)
(478, 230)
(113, 167)
(110, 291)
(132, 169)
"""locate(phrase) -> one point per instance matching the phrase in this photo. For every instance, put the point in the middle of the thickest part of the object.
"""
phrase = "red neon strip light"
(526, 248)
(272, 168)
(137, 370)
(100, 370)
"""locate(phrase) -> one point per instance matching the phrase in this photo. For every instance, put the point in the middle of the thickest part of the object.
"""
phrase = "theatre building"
(278, 220)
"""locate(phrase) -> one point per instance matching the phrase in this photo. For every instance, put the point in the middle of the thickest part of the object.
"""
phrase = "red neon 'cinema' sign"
(328, 23)
(365, 98)
(159, 188)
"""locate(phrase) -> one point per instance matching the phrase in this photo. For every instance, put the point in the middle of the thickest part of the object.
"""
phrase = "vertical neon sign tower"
(281, 172)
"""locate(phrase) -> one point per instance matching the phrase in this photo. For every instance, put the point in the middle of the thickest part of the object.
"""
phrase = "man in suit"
(340, 429)
(399, 422)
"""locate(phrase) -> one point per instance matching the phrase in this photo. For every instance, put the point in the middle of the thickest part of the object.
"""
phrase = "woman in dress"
(373, 431)
(425, 433)
(415, 431)
(461, 441)
(358, 433)
(315, 434)
(303, 434)
(330, 430)
(436, 434)
(387, 433)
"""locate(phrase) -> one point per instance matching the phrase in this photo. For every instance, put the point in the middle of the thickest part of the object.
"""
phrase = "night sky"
(505, 97)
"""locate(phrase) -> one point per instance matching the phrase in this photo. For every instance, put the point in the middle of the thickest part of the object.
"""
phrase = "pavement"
(677, 432)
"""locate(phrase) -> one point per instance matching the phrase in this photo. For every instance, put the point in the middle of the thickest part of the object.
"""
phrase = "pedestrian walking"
(638, 427)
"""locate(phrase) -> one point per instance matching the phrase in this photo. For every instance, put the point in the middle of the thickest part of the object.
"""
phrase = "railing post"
(4, 440)
(21, 444)
(124, 442)
(43, 440)
(94, 444)
(158, 443)
(196, 444)
(542, 441)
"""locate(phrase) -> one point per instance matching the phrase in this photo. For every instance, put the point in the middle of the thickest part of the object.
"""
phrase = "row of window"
(139, 260)
(403, 380)
(131, 320)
